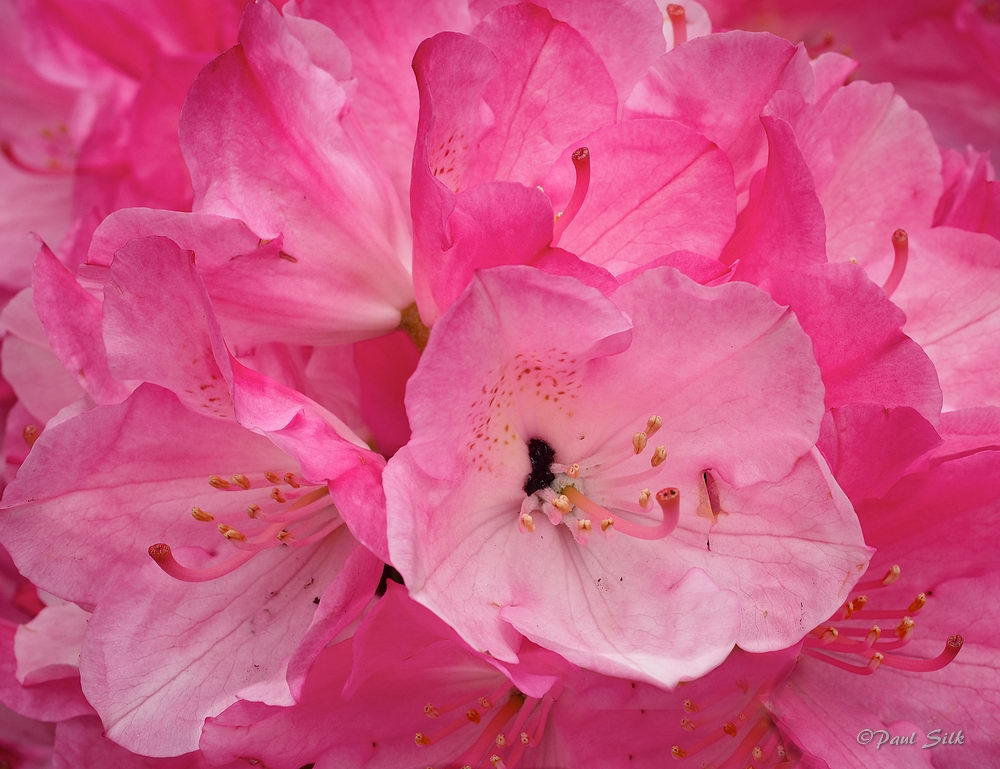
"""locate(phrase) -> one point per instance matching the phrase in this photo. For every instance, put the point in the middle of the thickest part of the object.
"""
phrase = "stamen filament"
(489, 734)
(890, 576)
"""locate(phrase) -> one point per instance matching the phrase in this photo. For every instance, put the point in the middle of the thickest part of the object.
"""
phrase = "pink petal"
(718, 85)
(655, 187)
(238, 631)
(314, 183)
(783, 227)
(154, 301)
(951, 296)
(875, 165)
(72, 320)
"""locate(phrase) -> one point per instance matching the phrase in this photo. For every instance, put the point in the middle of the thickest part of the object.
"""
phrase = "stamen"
(230, 533)
(901, 248)
(639, 442)
(277, 496)
(659, 456)
(217, 482)
(581, 162)
(678, 23)
(644, 497)
(241, 480)
(201, 515)
(890, 576)
(653, 424)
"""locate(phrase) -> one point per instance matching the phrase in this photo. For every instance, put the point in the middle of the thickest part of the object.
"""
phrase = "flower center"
(560, 491)
(255, 514)
(505, 732)
(847, 635)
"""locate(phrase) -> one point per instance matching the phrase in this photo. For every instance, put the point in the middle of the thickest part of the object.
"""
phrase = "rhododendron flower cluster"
(484, 384)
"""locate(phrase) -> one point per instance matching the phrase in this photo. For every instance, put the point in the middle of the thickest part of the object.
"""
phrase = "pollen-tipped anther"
(241, 480)
(230, 533)
(653, 424)
(562, 504)
(639, 441)
(644, 496)
(30, 434)
(201, 515)
(659, 456)
(217, 482)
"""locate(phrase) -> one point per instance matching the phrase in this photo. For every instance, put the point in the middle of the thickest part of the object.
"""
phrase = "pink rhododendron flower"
(544, 420)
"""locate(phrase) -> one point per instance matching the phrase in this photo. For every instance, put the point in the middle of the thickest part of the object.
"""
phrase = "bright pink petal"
(655, 187)
(159, 326)
(625, 33)
(718, 85)
(875, 165)
(783, 227)
(857, 337)
(870, 447)
(48, 647)
(314, 182)
(72, 320)
(951, 296)
(42, 384)
(382, 37)
(52, 700)
(971, 199)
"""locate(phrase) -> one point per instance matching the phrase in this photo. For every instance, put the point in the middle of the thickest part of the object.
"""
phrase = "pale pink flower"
(580, 481)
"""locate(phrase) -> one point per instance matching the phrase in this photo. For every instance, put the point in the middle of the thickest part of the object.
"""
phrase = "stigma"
(256, 513)
(600, 492)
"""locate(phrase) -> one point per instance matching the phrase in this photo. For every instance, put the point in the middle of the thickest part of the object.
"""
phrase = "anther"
(659, 456)
(30, 434)
(277, 496)
(201, 515)
(430, 711)
(607, 523)
(562, 504)
(230, 533)
(829, 635)
(219, 483)
(421, 739)
(272, 477)
(639, 442)
(690, 707)
(584, 524)
(873, 635)
(653, 424)
(573, 471)
(730, 729)
(253, 510)
(285, 536)
(290, 479)
(241, 480)
(918, 603)
(905, 628)
(678, 752)
(527, 522)
(900, 248)
(644, 497)
(687, 724)
(473, 715)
